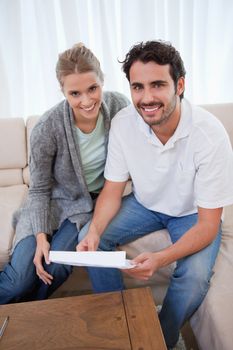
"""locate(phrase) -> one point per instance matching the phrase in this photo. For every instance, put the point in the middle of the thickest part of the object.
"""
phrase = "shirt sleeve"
(116, 168)
(214, 179)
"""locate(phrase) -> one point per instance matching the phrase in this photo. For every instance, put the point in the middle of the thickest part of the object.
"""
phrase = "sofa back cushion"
(224, 112)
(30, 123)
(13, 151)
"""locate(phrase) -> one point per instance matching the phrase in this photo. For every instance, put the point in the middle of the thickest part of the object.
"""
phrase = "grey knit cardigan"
(58, 189)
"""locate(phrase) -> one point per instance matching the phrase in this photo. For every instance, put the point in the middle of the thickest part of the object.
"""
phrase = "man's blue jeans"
(18, 280)
(190, 280)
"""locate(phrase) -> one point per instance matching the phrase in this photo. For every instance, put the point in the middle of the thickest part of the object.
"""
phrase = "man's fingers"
(82, 246)
(142, 271)
(91, 246)
(139, 276)
(140, 258)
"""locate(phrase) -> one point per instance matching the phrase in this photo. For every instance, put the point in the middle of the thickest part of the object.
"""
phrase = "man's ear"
(180, 86)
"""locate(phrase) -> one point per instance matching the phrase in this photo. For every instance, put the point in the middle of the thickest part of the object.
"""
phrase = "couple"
(174, 153)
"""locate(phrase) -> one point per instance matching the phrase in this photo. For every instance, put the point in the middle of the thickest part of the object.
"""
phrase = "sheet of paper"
(95, 259)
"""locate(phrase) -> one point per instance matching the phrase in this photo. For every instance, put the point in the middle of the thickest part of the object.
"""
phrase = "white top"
(93, 155)
(194, 168)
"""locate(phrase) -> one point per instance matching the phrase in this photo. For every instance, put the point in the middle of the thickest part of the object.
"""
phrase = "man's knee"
(194, 276)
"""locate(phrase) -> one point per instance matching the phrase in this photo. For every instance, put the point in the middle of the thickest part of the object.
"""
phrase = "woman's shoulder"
(52, 116)
(56, 112)
(115, 97)
(50, 122)
(113, 102)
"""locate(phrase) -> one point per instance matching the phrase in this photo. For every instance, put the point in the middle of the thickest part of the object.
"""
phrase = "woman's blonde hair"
(78, 59)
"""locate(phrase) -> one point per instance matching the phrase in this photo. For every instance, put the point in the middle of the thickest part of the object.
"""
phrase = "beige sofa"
(212, 324)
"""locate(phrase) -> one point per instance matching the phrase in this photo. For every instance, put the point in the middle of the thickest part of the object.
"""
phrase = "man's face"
(153, 92)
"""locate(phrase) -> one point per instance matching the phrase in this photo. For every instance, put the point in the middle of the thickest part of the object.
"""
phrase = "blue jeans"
(18, 280)
(190, 280)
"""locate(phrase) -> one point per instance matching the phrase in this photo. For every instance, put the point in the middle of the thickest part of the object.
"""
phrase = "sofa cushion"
(224, 112)
(9, 177)
(26, 175)
(11, 199)
(13, 142)
(30, 123)
(212, 323)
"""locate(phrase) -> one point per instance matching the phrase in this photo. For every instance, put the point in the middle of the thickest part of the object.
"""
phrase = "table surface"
(119, 320)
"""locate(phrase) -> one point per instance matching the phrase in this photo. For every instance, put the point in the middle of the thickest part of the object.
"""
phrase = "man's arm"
(195, 239)
(107, 206)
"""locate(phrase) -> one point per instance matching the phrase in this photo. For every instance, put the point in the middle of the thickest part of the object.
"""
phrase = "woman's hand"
(42, 252)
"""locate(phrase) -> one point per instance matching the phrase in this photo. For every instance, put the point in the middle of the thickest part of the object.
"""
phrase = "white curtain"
(33, 32)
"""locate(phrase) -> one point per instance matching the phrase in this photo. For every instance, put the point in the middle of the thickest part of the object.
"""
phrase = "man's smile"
(151, 108)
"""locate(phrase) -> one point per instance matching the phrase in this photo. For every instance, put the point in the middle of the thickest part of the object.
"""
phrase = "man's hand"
(89, 243)
(147, 265)
(42, 251)
(107, 206)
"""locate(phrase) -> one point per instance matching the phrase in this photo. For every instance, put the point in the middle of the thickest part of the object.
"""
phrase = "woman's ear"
(62, 90)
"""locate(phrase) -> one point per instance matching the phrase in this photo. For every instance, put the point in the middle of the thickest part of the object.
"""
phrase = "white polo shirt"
(194, 168)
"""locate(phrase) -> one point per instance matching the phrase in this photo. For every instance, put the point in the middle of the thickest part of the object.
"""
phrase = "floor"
(189, 338)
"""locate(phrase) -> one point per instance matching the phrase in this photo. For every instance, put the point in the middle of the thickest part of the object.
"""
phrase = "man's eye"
(137, 87)
(158, 85)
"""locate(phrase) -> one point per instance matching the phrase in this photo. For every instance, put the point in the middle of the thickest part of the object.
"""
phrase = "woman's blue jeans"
(19, 281)
(190, 280)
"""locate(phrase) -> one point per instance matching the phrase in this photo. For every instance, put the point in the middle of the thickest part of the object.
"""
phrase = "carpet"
(180, 345)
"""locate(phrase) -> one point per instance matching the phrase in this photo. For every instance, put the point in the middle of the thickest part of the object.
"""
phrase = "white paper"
(95, 259)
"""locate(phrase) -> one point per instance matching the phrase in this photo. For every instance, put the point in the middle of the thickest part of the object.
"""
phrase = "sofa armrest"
(11, 198)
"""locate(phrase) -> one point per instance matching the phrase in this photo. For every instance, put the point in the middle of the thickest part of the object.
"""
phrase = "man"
(179, 158)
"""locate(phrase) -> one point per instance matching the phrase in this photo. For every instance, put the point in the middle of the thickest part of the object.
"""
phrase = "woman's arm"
(42, 157)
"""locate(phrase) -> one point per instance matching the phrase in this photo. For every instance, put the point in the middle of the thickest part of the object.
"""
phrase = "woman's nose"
(85, 99)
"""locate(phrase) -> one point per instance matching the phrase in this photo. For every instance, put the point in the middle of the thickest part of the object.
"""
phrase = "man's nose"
(147, 96)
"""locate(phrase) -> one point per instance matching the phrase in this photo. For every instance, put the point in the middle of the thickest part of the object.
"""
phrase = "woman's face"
(83, 92)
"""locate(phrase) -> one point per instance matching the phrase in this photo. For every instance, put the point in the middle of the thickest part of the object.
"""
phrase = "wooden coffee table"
(121, 320)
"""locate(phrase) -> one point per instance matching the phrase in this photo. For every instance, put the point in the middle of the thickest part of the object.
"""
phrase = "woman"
(68, 153)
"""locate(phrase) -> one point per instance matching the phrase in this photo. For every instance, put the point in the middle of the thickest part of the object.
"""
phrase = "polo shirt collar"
(183, 129)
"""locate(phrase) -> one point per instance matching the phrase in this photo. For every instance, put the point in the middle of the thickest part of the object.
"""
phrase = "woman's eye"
(74, 93)
(93, 88)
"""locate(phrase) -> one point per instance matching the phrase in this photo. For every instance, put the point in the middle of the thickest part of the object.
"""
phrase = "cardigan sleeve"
(42, 156)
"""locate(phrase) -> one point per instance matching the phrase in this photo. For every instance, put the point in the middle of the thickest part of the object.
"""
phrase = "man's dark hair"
(160, 52)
